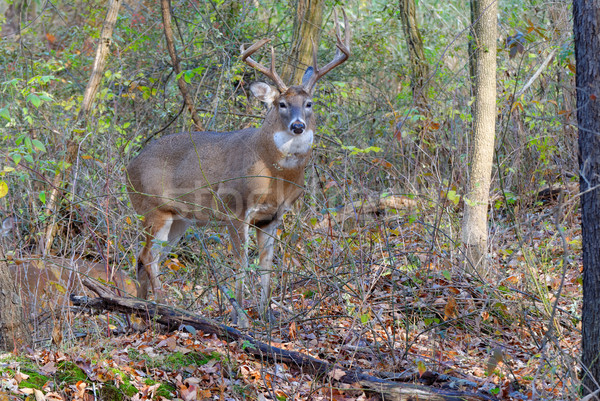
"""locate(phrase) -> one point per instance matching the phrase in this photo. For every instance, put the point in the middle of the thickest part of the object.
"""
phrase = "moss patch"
(35, 380)
(178, 360)
(165, 390)
(69, 373)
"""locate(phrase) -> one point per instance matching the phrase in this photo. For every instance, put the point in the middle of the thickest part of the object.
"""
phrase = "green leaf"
(453, 196)
(3, 189)
(447, 275)
(42, 197)
(365, 318)
(38, 145)
(28, 143)
(16, 158)
(34, 99)
(45, 96)
(5, 113)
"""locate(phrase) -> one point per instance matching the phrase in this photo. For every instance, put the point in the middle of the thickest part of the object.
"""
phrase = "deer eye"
(282, 105)
(308, 105)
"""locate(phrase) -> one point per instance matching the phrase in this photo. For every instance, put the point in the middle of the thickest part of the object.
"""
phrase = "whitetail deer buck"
(239, 179)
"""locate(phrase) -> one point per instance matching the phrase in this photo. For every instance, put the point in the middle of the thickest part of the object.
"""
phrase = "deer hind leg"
(162, 232)
(238, 232)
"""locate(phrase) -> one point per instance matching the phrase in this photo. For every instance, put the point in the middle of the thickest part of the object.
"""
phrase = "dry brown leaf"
(336, 374)
(189, 393)
(494, 360)
(450, 310)
(204, 394)
(20, 376)
(293, 330)
(81, 385)
(49, 368)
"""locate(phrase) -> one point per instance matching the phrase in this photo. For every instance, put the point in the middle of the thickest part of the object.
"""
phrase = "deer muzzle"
(297, 127)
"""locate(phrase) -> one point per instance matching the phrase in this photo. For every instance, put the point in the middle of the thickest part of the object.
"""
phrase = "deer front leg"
(148, 271)
(265, 237)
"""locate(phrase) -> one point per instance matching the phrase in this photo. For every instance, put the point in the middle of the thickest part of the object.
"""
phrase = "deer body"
(240, 179)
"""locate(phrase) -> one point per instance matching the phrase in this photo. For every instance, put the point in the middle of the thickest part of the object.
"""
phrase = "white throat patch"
(288, 143)
(293, 147)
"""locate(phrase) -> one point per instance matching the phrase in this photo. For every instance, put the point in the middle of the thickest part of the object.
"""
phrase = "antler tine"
(338, 34)
(270, 73)
(341, 54)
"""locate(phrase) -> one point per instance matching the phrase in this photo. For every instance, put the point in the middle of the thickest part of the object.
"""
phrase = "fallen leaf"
(450, 310)
(81, 385)
(336, 374)
(39, 396)
(20, 376)
(494, 360)
(421, 367)
(49, 368)
(188, 393)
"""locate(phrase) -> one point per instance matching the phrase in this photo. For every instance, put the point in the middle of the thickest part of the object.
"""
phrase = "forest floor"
(514, 335)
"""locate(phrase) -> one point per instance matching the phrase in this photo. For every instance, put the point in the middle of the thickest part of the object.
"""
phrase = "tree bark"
(165, 6)
(307, 33)
(586, 19)
(102, 52)
(474, 227)
(471, 47)
(89, 95)
(419, 67)
(14, 333)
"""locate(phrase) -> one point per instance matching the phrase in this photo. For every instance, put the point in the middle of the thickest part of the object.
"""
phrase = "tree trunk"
(471, 49)
(587, 56)
(14, 333)
(86, 105)
(307, 32)
(474, 227)
(165, 6)
(418, 63)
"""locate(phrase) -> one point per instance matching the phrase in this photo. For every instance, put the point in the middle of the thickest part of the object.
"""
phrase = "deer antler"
(271, 73)
(341, 54)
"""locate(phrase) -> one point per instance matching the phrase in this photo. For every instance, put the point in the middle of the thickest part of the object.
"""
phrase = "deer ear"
(307, 74)
(264, 92)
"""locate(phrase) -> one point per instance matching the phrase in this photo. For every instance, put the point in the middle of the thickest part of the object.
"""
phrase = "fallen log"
(174, 318)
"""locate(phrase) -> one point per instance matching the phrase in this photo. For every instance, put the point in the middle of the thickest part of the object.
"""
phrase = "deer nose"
(297, 127)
